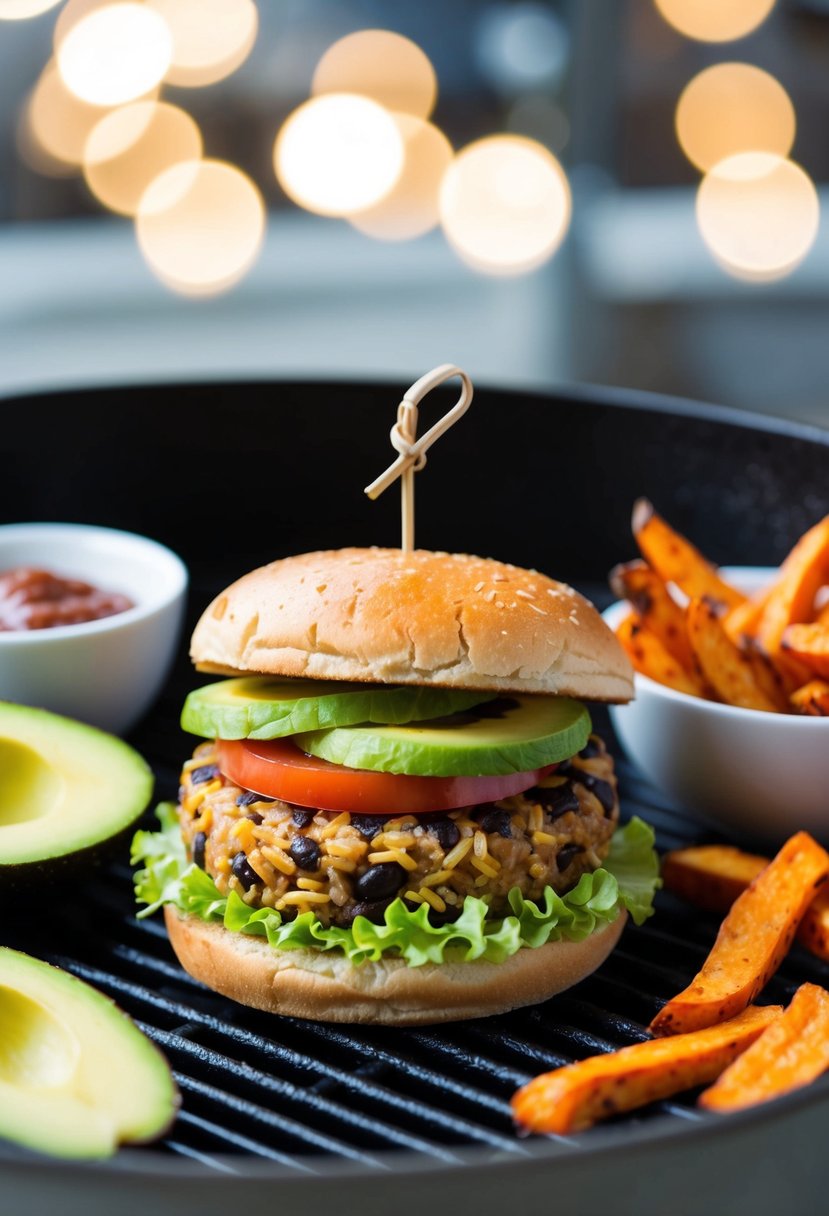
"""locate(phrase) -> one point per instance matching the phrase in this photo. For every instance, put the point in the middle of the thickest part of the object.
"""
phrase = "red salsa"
(39, 599)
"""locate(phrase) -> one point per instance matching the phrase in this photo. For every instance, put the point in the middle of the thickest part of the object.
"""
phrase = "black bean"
(243, 870)
(380, 882)
(254, 817)
(372, 910)
(249, 797)
(566, 856)
(494, 819)
(199, 841)
(205, 772)
(305, 852)
(556, 800)
(591, 749)
(602, 789)
(446, 832)
(301, 816)
(370, 825)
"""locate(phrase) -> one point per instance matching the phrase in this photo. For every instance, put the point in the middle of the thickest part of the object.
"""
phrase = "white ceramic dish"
(106, 672)
(753, 774)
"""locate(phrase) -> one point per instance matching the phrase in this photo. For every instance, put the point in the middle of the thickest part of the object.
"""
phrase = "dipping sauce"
(38, 599)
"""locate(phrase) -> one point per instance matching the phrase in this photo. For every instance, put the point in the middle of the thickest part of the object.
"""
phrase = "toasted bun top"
(385, 616)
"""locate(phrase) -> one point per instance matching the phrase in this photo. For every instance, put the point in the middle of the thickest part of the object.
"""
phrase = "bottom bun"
(326, 987)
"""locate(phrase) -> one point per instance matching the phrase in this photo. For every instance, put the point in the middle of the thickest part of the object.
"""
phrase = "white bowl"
(106, 672)
(755, 774)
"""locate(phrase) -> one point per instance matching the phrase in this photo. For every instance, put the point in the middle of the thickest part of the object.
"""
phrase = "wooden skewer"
(411, 450)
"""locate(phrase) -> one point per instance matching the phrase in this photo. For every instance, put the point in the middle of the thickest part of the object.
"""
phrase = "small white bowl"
(106, 672)
(755, 774)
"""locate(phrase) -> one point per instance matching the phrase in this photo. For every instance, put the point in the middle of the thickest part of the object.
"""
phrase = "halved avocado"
(77, 1076)
(65, 788)
(255, 707)
(507, 735)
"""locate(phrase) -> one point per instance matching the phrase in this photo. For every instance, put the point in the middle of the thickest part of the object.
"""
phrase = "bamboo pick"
(412, 451)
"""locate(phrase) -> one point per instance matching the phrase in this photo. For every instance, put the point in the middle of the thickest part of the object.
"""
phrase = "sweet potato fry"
(742, 622)
(822, 616)
(810, 645)
(655, 607)
(649, 656)
(791, 1052)
(573, 1098)
(713, 876)
(752, 942)
(730, 671)
(812, 698)
(676, 560)
(792, 598)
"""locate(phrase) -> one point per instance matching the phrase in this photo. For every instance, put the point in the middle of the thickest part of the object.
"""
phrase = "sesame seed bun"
(384, 616)
(326, 987)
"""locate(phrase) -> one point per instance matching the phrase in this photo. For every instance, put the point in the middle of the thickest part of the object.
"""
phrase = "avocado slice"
(77, 1076)
(65, 788)
(507, 735)
(255, 707)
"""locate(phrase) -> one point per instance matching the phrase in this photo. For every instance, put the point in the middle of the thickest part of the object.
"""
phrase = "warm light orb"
(731, 108)
(19, 10)
(114, 53)
(131, 146)
(758, 214)
(715, 20)
(56, 125)
(411, 208)
(505, 204)
(211, 38)
(338, 154)
(200, 226)
(388, 68)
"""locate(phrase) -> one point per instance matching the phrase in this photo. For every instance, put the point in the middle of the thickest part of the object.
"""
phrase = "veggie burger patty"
(340, 865)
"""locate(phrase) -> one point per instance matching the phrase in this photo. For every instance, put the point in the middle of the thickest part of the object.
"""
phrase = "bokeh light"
(19, 10)
(55, 125)
(411, 208)
(505, 204)
(131, 146)
(113, 53)
(715, 20)
(758, 214)
(731, 108)
(338, 154)
(200, 226)
(382, 65)
(211, 38)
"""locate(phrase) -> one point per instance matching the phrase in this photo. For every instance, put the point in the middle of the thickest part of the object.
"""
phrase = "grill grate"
(296, 1093)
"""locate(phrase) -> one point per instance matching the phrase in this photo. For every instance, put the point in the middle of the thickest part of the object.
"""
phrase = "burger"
(398, 812)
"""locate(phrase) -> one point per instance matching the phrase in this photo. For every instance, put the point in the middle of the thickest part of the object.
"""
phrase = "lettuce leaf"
(628, 879)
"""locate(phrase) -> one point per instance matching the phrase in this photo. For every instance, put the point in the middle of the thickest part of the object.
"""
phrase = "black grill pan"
(311, 1118)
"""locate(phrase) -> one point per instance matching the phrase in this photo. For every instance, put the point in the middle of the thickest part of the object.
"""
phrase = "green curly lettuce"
(628, 879)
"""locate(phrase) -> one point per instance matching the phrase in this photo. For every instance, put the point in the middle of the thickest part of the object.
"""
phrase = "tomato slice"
(278, 769)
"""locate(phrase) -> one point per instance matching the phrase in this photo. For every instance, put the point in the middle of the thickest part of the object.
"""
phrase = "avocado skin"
(25, 880)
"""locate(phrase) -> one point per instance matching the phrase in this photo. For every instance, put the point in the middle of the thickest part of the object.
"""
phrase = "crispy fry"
(753, 940)
(792, 598)
(791, 1052)
(729, 670)
(713, 876)
(649, 656)
(822, 617)
(676, 560)
(810, 645)
(812, 698)
(742, 622)
(573, 1098)
(656, 608)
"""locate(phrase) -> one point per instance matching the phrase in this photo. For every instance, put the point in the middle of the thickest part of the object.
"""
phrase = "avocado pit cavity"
(29, 786)
(37, 1051)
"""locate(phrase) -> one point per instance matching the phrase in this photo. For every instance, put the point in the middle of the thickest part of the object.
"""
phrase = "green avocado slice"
(65, 788)
(255, 707)
(507, 735)
(77, 1076)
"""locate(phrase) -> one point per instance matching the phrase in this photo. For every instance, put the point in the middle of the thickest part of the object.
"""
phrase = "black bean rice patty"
(294, 859)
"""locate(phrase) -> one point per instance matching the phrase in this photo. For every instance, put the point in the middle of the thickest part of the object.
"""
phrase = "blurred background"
(622, 192)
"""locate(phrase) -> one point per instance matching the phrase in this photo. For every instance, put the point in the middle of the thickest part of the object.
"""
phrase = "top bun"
(385, 616)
